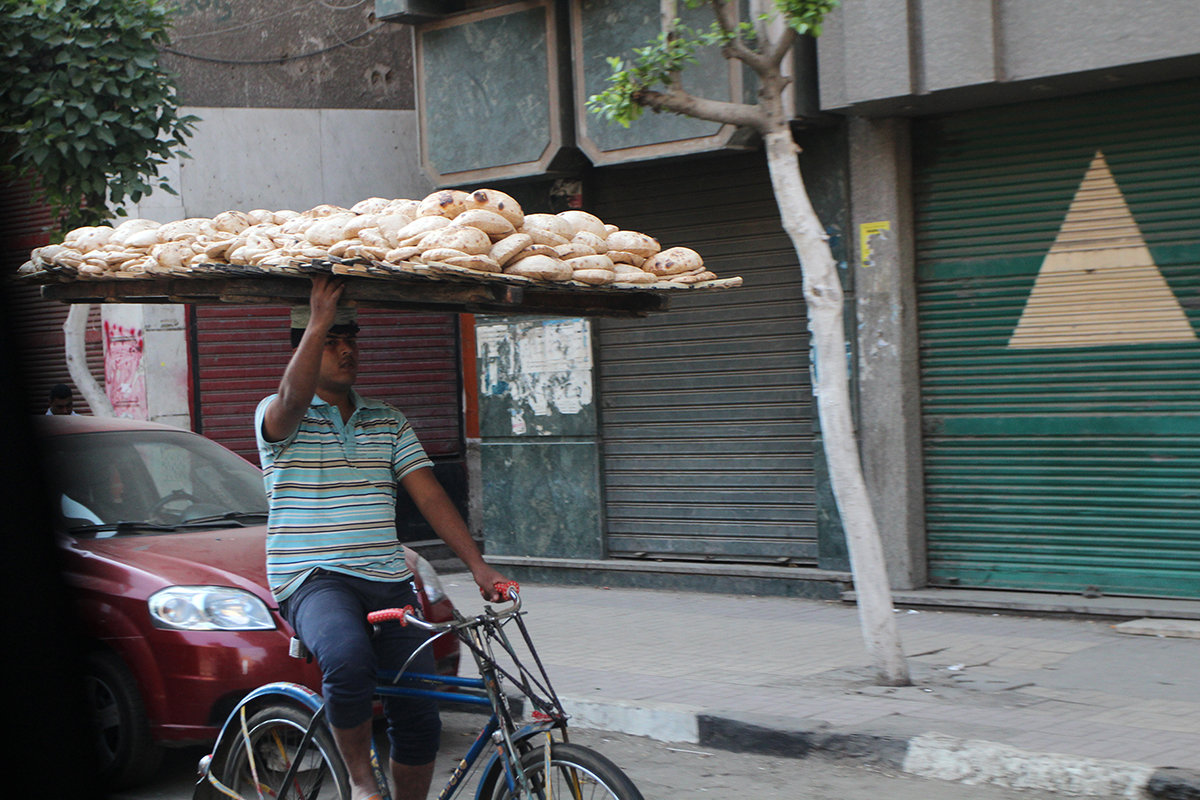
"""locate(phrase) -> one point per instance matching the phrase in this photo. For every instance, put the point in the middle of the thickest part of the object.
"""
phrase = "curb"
(928, 755)
(970, 761)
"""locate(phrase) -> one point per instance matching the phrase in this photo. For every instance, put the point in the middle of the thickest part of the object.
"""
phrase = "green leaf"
(84, 104)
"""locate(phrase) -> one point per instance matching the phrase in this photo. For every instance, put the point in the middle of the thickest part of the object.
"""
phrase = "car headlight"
(430, 580)
(209, 608)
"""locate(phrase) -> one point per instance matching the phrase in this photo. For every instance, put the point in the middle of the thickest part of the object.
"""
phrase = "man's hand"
(486, 579)
(323, 301)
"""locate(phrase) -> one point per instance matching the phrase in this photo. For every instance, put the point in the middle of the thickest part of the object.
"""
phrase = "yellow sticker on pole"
(866, 230)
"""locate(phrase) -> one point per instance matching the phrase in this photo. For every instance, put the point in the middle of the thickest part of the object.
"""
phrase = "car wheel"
(127, 754)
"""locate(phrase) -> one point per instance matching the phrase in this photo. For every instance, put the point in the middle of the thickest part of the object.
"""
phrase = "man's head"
(62, 402)
(344, 324)
(339, 361)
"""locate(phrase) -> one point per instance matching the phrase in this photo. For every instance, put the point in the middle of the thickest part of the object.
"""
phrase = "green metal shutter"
(706, 410)
(1059, 296)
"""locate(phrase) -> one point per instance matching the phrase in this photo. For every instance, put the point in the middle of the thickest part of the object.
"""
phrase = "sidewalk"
(1066, 705)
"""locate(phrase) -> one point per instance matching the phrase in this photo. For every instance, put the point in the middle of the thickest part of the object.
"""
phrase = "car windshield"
(119, 483)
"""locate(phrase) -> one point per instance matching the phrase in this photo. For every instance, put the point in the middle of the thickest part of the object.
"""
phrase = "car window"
(158, 477)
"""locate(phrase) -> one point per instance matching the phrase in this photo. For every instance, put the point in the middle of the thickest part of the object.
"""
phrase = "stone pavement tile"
(1136, 719)
(804, 662)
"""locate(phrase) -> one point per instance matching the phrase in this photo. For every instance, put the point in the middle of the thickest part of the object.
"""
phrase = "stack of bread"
(483, 232)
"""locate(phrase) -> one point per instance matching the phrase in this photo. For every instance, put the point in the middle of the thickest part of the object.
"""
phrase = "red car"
(163, 533)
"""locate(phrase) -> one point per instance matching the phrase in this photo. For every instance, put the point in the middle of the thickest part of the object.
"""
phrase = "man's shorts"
(329, 614)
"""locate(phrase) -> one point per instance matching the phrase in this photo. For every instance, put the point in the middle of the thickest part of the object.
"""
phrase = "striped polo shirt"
(332, 492)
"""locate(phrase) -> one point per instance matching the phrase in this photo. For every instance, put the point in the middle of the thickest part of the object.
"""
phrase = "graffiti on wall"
(124, 372)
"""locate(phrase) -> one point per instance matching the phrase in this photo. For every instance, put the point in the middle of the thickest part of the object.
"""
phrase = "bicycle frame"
(500, 731)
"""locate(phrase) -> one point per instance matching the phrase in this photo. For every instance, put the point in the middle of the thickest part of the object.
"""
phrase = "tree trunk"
(824, 298)
(76, 352)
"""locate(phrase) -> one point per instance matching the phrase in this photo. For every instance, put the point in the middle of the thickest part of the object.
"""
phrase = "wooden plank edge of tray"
(491, 297)
(396, 285)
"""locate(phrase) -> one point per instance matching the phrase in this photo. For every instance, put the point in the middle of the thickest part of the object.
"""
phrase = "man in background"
(62, 401)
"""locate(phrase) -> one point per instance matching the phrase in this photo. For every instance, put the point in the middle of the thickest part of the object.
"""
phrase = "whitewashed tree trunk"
(75, 346)
(824, 299)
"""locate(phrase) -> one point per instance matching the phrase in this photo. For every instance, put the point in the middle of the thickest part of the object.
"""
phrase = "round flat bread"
(403, 206)
(543, 236)
(597, 244)
(549, 222)
(591, 262)
(371, 205)
(583, 221)
(625, 257)
(490, 222)
(673, 261)
(89, 238)
(440, 254)
(323, 210)
(479, 263)
(627, 273)
(329, 230)
(633, 242)
(540, 267)
(535, 250)
(471, 241)
(398, 254)
(507, 248)
(231, 221)
(573, 250)
(699, 276)
(499, 202)
(447, 203)
(594, 277)
(419, 227)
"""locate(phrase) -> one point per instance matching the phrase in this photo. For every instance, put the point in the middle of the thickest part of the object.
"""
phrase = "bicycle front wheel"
(259, 761)
(576, 772)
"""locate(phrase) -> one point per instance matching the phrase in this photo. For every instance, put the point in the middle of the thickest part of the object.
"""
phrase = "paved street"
(691, 691)
(678, 770)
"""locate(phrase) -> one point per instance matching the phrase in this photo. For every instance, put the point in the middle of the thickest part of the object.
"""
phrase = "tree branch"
(726, 13)
(678, 101)
(774, 52)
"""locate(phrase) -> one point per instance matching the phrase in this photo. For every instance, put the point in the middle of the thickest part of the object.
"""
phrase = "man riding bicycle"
(332, 461)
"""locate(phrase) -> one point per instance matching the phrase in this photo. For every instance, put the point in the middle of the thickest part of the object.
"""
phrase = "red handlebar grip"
(390, 615)
(504, 587)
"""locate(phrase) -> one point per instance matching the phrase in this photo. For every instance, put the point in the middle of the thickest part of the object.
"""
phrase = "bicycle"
(277, 744)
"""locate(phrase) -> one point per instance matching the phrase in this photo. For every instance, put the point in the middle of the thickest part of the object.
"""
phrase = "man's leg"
(328, 614)
(414, 725)
(412, 782)
(355, 746)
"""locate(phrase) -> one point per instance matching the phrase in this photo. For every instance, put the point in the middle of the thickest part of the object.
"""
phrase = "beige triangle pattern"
(1099, 284)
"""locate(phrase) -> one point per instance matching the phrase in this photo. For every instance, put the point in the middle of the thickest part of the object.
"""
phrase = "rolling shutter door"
(1059, 294)
(706, 411)
(44, 358)
(408, 359)
(26, 224)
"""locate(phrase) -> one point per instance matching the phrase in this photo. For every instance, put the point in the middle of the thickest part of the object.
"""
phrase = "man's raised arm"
(299, 382)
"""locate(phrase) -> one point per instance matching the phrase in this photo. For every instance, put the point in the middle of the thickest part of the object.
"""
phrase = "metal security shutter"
(408, 359)
(706, 411)
(43, 357)
(1059, 294)
(25, 223)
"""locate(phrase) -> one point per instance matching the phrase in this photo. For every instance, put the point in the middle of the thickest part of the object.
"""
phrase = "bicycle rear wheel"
(261, 761)
(576, 772)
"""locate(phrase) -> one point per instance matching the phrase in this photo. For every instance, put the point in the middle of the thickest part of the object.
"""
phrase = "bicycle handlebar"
(509, 590)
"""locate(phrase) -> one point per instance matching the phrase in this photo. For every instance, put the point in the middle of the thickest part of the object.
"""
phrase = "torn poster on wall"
(544, 366)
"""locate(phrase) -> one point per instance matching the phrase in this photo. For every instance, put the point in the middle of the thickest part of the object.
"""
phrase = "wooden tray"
(408, 285)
